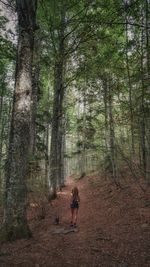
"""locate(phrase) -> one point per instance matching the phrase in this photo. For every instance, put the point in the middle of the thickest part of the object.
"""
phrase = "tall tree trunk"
(1, 125)
(83, 149)
(112, 135)
(79, 157)
(142, 108)
(35, 84)
(61, 145)
(147, 119)
(105, 98)
(130, 94)
(47, 144)
(46, 182)
(57, 109)
(15, 224)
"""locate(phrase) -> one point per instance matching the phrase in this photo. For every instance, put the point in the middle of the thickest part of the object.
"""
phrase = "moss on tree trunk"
(12, 232)
(15, 224)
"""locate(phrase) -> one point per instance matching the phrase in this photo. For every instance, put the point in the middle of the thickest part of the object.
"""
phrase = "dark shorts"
(74, 205)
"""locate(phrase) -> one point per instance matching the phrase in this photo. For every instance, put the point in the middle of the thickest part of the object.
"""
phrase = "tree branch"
(7, 4)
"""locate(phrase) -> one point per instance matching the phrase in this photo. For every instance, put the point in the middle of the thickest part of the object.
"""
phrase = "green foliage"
(7, 60)
(106, 54)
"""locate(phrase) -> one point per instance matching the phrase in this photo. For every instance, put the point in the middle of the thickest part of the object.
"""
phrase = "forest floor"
(113, 229)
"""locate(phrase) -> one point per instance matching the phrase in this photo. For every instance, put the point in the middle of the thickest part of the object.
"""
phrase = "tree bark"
(1, 125)
(61, 140)
(105, 97)
(15, 224)
(147, 119)
(130, 95)
(112, 135)
(142, 109)
(57, 110)
(35, 84)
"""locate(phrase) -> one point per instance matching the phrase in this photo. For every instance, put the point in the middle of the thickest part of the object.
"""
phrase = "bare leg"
(76, 215)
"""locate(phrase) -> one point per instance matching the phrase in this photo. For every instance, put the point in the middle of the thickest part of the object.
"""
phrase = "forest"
(75, 109)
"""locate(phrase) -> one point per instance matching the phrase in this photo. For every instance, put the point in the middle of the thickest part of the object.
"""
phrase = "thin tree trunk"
(47, 167)
(105, 98)
(130, 95)
(112, 136)
(63, 160)
(15, 224)
(142, 109)
(35, 84)
(83, 156)
(61, 140)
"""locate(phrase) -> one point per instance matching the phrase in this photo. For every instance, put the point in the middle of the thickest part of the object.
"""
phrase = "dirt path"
(113, 231)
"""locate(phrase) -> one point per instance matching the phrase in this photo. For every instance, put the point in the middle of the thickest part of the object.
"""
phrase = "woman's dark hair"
(75, 192)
